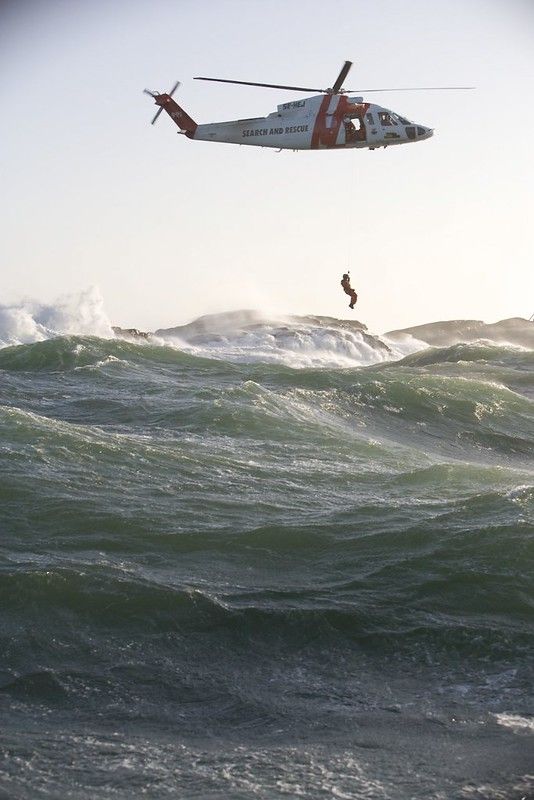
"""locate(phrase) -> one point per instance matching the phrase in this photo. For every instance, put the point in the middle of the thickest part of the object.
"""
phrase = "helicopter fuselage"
(323, 122)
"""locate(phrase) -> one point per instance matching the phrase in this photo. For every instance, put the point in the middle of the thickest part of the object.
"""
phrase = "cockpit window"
(370, 119)
(398, 118)
(386, 119)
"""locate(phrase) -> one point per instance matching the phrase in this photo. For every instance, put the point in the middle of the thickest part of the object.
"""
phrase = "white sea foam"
(29, 321)
(516, 722)
(312, 341)
(404, 345)
(310, 347)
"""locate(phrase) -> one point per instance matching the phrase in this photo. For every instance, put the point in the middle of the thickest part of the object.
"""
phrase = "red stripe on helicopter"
(325, 135)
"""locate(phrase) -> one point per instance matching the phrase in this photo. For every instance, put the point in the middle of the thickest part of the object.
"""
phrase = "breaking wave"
(30, 321)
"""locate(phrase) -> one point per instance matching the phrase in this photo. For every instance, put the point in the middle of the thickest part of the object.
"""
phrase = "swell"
(102, 623)
(439, 599)
(465, 555)
(66, 353)
(514, 357)
(372, 411)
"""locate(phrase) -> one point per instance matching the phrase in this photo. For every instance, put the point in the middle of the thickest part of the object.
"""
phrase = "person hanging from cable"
(345, 282)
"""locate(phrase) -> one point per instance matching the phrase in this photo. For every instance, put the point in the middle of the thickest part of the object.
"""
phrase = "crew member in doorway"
(345, 282)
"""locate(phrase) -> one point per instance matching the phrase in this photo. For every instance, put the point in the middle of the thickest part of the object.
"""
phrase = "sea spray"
(29, 321)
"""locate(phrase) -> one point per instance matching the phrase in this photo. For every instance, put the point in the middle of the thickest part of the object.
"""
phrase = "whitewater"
(258, 556)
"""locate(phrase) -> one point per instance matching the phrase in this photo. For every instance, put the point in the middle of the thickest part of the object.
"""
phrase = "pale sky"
(169, 229)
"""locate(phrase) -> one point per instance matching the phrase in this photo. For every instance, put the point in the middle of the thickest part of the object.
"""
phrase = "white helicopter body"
(317, 123)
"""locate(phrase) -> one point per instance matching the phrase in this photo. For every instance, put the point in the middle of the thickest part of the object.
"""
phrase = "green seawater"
(227, 577)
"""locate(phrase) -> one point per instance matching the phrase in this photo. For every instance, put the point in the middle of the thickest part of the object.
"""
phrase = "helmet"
(345, 274)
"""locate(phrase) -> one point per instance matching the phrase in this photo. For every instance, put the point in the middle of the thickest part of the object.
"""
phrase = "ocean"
(252, 557)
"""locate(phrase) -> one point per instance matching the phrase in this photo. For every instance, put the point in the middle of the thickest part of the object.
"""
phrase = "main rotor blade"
(158, 112)
(412, 89)
(337, 85)
(265, 85)
(341, 77)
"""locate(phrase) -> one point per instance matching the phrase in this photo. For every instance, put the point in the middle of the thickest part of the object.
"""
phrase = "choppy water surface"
(250, 559)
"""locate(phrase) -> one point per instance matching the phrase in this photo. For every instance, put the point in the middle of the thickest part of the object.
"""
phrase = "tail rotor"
(157, 95)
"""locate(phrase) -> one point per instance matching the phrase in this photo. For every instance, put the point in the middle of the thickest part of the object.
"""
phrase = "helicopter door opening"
(354, 129)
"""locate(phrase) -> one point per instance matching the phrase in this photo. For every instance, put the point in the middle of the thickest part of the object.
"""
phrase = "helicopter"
(328, 120)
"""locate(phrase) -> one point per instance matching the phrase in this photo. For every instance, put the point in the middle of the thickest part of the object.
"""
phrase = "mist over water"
(253, 557)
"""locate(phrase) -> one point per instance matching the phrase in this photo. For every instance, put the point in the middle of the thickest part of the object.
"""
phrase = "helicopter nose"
(424, 133)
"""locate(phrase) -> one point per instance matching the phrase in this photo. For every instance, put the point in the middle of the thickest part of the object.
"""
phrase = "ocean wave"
(514, 356)
(264, 531)
(454, 611)
(246, 336)
(395, 411)
(73, 352)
